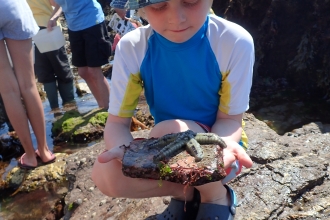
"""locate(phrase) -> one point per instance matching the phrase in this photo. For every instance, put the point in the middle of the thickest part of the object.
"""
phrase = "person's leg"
(44, 71)
(97, 53)
(90, 50)
(22, 57)
(52, 95)
(66, 91)
(110, 180)
(210, 193)
(60, 63)
(97, 83)
(11, 96)
(116, 185)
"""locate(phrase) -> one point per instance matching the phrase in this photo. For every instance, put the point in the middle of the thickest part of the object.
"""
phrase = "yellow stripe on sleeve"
(131, 97)
(244, 137)
(225, 93)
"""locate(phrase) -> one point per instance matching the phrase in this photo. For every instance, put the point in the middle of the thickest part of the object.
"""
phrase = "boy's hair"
(136, 4)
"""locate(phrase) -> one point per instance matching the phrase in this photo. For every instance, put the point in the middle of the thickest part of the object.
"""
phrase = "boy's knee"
(106, 183)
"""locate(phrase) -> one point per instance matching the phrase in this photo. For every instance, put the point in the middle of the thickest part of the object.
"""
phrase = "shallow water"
(35, 205)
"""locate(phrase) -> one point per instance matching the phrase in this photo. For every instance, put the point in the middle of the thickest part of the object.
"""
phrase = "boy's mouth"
(179, 30)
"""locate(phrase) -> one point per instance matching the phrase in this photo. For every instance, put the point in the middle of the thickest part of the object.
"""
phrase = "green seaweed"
(164, 170)
(70, 206)
(99, 119)
(75, 123)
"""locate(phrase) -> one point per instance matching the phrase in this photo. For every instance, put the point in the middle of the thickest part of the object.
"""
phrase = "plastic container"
(49, 40)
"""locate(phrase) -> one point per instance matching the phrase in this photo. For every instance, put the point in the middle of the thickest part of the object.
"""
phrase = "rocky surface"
(79, 127)
(43, 177)
(292, 40)
(289, 179)
(178, 167)
(290, 176)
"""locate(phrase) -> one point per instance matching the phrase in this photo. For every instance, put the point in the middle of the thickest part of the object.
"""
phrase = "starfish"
(190, 140)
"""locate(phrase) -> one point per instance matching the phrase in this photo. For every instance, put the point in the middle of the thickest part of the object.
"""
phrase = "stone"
(138, 163)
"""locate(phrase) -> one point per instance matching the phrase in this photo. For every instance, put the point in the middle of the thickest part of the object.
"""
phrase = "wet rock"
(289, 180)
(180, 167)
(80, 128)
(10, 146)
(44, 176)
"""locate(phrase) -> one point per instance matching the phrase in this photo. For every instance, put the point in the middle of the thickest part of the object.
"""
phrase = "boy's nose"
(176, 16)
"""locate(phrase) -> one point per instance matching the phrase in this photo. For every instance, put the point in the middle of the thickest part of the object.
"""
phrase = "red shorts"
(234, 169)
(206, 128)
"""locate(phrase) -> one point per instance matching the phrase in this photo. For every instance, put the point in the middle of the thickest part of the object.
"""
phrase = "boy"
(52, 68)
(196, 71)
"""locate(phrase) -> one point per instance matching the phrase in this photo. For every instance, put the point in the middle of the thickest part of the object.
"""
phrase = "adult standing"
(89, 41)
(17, 82)
(52, 68)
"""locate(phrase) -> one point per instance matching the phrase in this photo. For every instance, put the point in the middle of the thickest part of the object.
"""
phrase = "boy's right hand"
(109, 155)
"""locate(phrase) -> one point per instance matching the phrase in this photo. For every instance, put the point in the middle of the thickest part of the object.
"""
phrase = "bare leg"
(109, 178)
(210, 193)
(21, 83)
(97, 83)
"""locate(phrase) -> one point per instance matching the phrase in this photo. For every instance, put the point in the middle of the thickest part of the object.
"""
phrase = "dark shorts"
(53, 65)
(90, 47)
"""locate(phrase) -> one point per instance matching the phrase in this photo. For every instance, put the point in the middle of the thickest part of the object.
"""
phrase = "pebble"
(103, 202)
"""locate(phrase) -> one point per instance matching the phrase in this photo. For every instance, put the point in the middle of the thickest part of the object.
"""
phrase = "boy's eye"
(158, 6)
(190, 2)
(162, 5)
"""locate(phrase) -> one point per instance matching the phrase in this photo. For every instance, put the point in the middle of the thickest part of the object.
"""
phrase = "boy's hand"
(109, 155)
(233, 152)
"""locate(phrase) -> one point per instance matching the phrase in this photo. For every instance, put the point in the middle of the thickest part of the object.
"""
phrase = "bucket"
(49, 40)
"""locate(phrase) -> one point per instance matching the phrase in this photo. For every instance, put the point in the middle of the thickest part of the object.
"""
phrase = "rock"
(44, 176)
(80, 128)
(10, 146)
(287, 45)
(179, 168)
(289, 180)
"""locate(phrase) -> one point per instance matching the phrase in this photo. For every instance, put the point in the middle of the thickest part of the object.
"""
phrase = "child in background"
(52, 68)
(119, 22)
(89, 42)
(196, 72)
(17, 27)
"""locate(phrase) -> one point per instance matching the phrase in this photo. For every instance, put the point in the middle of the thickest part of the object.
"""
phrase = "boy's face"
(178, 20)
(121, 13)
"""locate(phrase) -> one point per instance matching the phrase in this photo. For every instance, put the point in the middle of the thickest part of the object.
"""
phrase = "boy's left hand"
(233, 152)
(109, 155)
